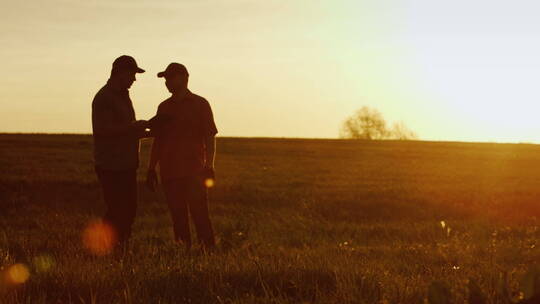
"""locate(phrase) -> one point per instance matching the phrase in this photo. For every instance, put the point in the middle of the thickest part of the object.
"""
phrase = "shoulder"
(200, 101)
(101, 97)
(164, 105)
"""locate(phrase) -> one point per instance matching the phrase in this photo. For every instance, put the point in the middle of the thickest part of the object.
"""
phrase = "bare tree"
(366, 123)
(400, 131)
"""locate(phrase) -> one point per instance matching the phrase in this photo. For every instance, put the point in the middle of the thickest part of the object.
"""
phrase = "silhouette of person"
(184, 148)
(116, 135)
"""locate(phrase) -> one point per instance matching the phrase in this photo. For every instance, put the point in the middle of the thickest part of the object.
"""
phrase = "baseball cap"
(174, 69)
(126, 63)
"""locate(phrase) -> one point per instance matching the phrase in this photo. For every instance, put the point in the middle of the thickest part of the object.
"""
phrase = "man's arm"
(210, 151)
(156, 131)
(151, 175)
(210, 132)
(135, 128)
(104, 125)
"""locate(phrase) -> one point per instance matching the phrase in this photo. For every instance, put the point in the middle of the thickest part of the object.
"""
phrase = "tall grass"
(315, 221)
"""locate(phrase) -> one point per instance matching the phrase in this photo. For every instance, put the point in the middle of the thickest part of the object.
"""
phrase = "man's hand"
(145, 134)
(151, 180)
(140, 124)
(139, 128)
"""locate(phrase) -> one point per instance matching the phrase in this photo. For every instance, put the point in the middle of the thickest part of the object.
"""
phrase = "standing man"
(116, 147)
(184, 148)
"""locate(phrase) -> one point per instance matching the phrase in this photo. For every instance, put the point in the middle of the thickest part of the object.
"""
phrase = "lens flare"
(43, 263)
(209, 183)
(99, 238)
(17, 274)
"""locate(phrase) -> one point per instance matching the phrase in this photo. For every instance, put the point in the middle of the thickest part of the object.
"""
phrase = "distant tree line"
(369, 124)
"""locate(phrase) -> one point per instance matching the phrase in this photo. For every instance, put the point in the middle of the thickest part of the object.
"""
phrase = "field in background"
(325, 221)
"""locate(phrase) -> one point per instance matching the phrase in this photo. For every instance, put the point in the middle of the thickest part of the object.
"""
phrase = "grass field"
(323, 221)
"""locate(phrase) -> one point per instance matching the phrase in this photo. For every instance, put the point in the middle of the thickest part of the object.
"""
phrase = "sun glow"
(18, 274)
(99, 238)
(209, 183)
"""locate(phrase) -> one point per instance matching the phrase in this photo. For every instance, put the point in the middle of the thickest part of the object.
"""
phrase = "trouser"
(189, 196)
(120, 195)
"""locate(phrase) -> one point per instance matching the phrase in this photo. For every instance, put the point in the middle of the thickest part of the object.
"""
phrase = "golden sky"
(456, 70)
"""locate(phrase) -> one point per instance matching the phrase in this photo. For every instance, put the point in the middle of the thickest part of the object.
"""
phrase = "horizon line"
(303, 138)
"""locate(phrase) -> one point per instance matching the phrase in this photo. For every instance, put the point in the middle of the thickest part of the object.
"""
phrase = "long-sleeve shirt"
(116, 151)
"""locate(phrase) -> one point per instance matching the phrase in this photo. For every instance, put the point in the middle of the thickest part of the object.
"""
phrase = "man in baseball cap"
(184, 148)
(116, 135)
(172, 70)
(126, 63)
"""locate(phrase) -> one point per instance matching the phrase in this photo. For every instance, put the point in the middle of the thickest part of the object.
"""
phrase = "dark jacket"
(112, 109)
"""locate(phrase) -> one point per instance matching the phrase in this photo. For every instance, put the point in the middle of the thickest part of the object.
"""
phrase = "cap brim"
(161, 74)
(139, 70)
